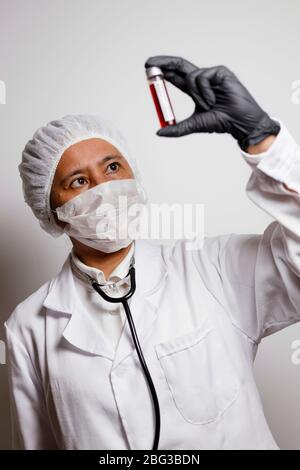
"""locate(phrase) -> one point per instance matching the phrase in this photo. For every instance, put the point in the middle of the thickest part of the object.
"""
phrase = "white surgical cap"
(42, 153)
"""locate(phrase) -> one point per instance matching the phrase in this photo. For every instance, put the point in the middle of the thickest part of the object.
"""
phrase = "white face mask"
(106, 216)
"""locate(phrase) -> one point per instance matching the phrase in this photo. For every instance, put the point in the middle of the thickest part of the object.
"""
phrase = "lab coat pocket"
(199, 373)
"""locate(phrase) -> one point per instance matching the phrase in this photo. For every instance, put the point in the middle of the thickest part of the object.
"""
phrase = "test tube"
(160, 96)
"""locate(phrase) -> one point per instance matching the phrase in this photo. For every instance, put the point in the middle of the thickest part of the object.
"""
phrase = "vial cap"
(153, 71)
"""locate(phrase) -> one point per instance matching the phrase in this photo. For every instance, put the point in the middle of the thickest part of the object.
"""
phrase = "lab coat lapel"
(151, 275)
(62, 298)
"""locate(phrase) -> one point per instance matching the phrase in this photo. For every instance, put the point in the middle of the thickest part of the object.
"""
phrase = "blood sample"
(160, 96)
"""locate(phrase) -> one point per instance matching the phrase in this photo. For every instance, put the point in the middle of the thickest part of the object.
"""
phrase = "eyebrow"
(79, 170)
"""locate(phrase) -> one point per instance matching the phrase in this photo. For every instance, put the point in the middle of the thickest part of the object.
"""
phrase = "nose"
(96, 178)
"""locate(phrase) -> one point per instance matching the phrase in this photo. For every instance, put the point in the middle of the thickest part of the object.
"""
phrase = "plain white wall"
(72, 56)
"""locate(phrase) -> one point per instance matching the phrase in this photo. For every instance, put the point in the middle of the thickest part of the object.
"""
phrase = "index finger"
(171, 63)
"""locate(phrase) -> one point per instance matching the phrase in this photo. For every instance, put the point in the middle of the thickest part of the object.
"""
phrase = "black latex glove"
(223, 104)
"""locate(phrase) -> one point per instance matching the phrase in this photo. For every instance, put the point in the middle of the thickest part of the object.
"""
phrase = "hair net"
(42, 153)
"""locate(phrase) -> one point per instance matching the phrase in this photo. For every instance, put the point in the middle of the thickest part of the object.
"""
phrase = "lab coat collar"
(151, 274)
(118, 273)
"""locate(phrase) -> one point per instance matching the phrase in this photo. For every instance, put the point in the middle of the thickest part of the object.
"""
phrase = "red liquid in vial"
(162, 120)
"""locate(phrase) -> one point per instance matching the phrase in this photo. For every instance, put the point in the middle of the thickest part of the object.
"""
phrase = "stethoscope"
(124, 301)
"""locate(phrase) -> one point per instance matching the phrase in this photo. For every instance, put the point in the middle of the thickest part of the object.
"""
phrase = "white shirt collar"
(118, 273)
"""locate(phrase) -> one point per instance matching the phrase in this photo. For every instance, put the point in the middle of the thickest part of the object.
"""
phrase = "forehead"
(85, 152)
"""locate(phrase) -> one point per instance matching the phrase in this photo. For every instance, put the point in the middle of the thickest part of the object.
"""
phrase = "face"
(85, 165)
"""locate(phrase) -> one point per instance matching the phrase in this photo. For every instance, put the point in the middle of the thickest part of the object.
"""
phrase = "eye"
(78, 182)
(114, 166)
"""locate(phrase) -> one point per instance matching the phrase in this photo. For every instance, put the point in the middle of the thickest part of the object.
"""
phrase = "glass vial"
(160, 96)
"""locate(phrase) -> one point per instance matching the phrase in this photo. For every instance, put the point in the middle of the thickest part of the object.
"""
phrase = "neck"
(106, 262)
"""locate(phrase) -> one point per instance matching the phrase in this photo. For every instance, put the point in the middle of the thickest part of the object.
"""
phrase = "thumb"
(177, 130)
(164, 131)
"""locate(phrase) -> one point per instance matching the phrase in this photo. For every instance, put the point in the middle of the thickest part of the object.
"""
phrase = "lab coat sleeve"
(30, 424)
(257, 277)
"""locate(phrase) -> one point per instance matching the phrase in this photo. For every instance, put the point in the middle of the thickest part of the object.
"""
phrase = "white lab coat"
(107, 317)
(199, 316)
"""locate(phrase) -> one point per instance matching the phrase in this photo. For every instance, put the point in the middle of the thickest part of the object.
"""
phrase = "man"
(75, 379)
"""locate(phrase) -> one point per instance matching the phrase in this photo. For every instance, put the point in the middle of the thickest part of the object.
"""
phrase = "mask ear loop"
(53, 211)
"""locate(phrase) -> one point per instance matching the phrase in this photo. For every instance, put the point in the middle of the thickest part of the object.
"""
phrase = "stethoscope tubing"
(124, 301)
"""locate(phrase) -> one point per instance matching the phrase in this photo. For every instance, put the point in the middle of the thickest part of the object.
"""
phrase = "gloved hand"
(222, 103)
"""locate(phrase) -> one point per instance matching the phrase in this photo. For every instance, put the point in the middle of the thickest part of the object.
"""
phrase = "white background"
(72, 56)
